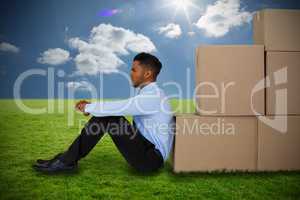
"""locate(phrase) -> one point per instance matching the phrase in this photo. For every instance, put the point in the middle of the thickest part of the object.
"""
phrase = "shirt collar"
(146, 86)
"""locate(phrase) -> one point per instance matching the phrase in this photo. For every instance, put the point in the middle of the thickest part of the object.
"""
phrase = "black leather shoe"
(45, 163)
(57, 166)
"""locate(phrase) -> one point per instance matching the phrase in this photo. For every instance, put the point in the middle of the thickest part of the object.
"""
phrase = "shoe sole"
(46, 170)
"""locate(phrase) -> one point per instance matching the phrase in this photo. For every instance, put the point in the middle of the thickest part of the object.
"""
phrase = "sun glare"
(181, 6)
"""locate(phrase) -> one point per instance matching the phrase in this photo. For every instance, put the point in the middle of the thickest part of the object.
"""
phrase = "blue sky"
(87, 38)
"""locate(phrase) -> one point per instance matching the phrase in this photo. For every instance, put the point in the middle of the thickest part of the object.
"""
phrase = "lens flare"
(108, 12)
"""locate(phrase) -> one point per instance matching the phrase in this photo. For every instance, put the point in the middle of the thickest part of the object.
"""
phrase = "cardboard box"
(225, 78)
(277, 29)
(283, 83)
(276, 150)
(215, 143)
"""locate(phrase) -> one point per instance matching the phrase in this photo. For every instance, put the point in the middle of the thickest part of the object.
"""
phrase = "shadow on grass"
(167, 169)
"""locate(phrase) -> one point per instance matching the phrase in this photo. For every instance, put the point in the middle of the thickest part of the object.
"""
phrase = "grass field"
(104, 174)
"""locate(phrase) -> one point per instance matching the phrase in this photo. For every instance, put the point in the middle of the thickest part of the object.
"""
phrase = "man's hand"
(81, 106)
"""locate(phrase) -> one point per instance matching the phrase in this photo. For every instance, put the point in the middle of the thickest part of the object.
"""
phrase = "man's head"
(145, 68)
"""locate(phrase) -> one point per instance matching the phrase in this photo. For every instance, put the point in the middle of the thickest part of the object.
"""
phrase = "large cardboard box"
(283, 70)
(208, 143)
(277, 150)
(277, 29)
(226, 75)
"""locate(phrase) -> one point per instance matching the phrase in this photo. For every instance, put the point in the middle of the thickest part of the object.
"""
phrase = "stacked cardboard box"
(279, 150)
(225, 77)
(279, 31)
(235, 101)
(210, 143)
(222, 135)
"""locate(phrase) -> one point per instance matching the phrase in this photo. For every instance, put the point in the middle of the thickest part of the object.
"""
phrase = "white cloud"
(80, 85)
(55, 56)
(7, 47)
(171, 30)
(220, 17)
(102, 51)
(191, 33)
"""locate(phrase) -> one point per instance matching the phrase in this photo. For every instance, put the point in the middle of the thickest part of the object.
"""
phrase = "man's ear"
(148, 74)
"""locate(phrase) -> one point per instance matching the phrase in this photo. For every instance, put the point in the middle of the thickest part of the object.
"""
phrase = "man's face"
(137, 74)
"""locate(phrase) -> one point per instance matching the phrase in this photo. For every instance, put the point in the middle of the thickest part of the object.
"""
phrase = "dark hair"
(150, 61)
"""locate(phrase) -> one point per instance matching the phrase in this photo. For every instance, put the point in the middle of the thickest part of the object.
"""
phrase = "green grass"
(104, 174)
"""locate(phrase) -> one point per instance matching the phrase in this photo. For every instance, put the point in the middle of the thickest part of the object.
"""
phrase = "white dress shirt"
(151, 113)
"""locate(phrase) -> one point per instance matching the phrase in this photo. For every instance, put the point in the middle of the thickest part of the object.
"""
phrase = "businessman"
(145, 144)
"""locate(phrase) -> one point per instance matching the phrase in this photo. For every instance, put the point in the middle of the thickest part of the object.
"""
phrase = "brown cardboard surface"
(279, 151)
(207, 143)
(277, 29)
(276, 61)
(232, 70)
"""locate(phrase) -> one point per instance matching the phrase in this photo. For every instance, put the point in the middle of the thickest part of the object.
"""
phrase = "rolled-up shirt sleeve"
(143, 104)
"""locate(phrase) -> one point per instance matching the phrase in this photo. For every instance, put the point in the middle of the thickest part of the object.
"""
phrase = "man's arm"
(144, 104)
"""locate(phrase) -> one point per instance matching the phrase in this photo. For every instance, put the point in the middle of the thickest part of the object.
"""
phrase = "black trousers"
(135, 148)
